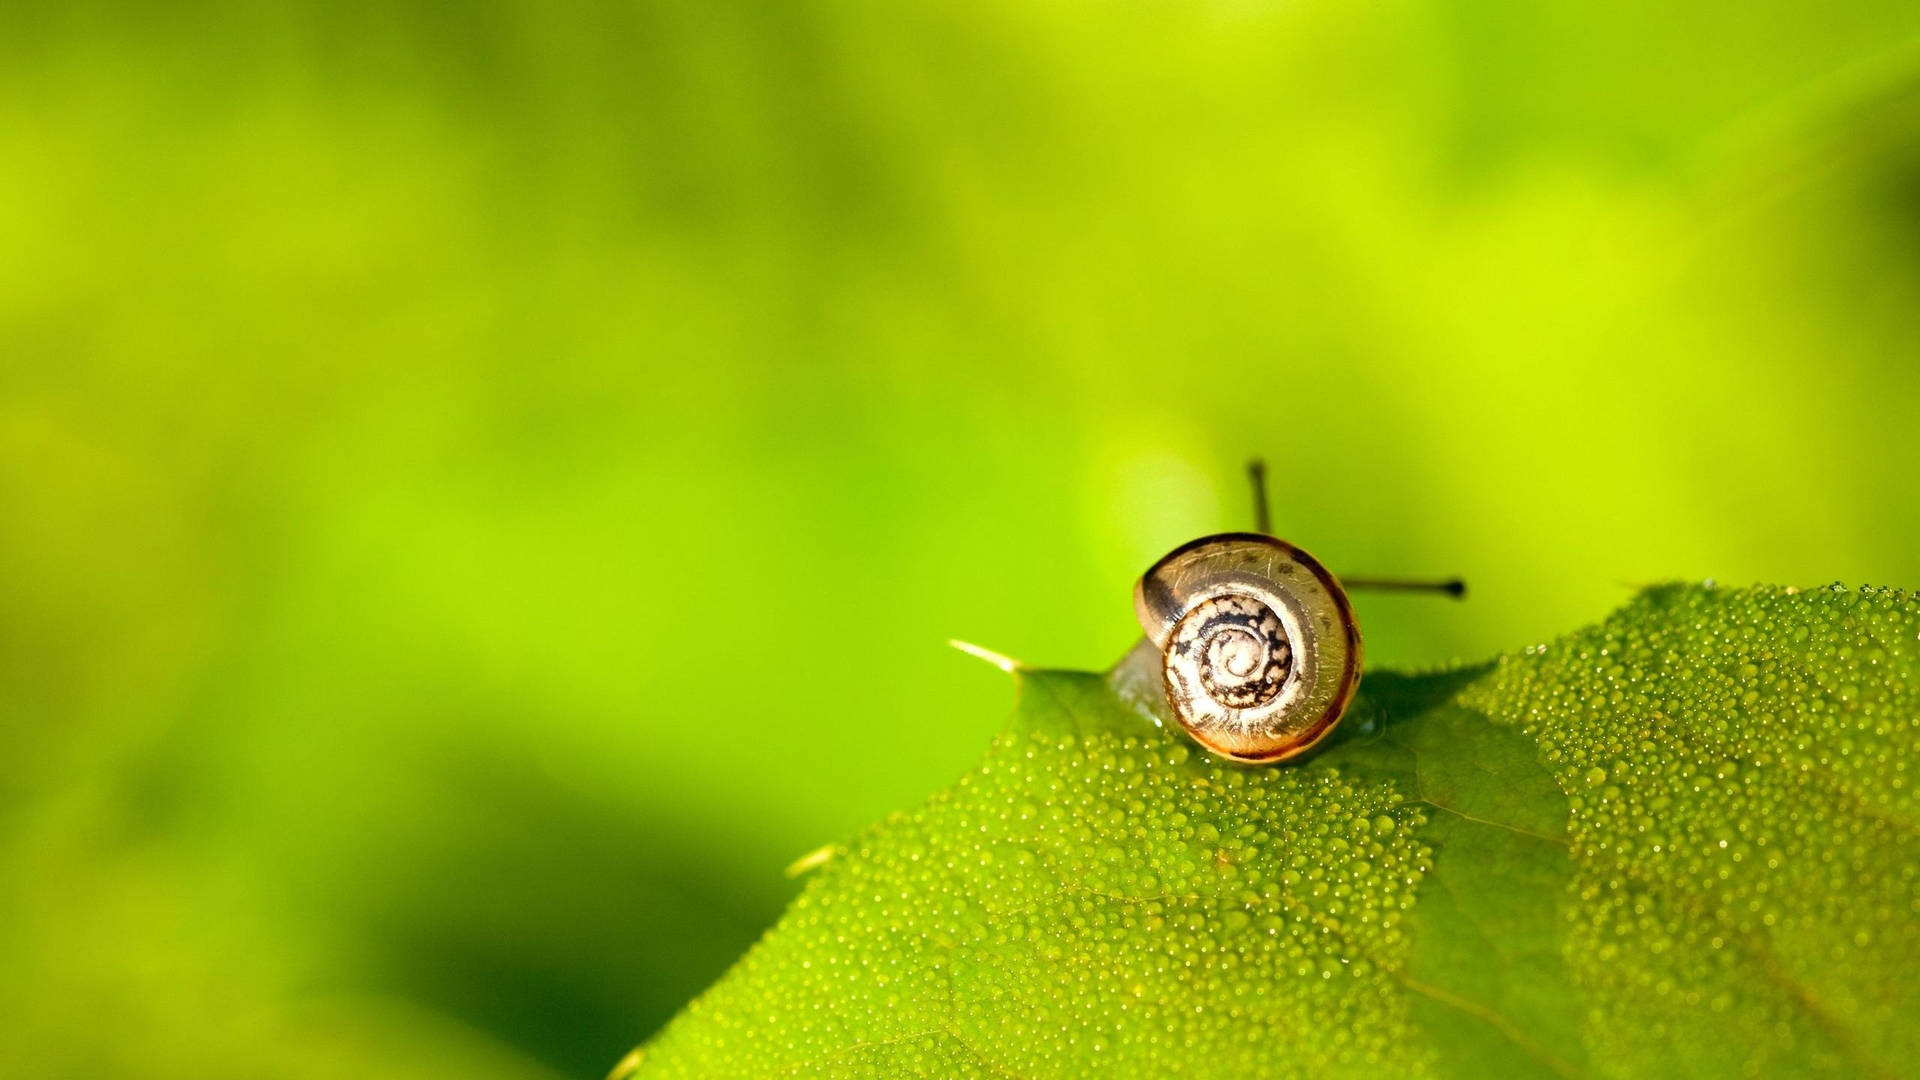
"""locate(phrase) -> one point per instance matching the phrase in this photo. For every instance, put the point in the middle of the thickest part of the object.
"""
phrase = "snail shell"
(1260, 649)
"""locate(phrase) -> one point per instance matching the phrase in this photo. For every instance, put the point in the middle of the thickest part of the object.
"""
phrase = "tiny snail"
(1260, 650)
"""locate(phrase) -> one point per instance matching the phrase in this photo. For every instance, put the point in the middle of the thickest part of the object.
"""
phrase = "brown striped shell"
(1260, 649)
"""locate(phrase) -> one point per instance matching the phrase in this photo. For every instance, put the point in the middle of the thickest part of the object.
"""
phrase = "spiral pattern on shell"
(1258, 648)
(1234, 649)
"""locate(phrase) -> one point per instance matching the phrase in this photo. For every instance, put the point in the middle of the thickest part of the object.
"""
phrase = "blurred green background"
(483, 487)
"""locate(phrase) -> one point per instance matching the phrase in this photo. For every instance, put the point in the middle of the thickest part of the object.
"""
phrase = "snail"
(1259, 646)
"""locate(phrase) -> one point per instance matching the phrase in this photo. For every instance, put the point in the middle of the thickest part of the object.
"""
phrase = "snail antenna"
(1453, 587)
(1257, 476)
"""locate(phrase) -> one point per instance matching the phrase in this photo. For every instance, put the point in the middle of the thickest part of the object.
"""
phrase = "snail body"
(1260, 649)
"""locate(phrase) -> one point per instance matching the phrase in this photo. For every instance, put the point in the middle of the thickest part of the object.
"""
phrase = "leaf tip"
(628, 1065)
(1005, 663)
(812, 860)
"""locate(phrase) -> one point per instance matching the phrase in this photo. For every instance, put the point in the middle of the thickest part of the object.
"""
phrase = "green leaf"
(1679, 843)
